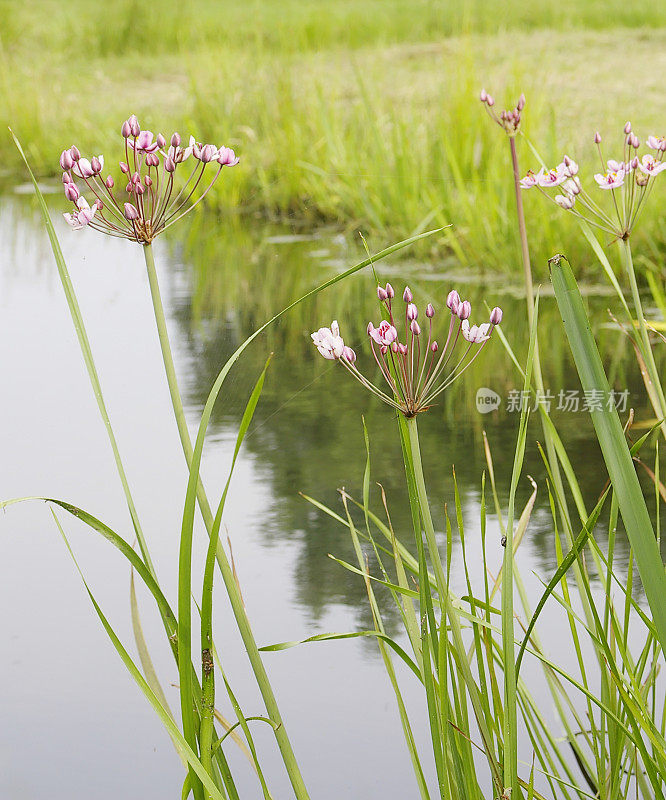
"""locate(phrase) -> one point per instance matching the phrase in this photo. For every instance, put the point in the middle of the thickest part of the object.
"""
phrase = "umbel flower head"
(144, 203)
(416, 369)
(628, 181)
(510, 118)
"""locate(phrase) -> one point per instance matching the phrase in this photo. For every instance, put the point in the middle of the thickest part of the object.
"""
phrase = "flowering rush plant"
(416, 369)
(147, 204)
(510, 118)
(628, 181)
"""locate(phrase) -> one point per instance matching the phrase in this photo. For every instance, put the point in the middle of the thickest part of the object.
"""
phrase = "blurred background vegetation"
(362, 114)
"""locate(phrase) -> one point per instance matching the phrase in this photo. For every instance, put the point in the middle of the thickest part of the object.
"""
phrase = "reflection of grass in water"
(344, 111)
(305, 429)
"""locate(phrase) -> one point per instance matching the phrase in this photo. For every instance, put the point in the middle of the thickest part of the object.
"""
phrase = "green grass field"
(363, 113)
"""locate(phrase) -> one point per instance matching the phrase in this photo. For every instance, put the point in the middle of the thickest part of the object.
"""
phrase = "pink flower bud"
(207, 153)
(521, 102)
(196, 151)
(109, 182)
(169, 164)
(148, 180)
(390, 291)
(175, 140)
(66, 160)
(129, 188)
(402, 349)
(95, 165)
(434, 347)
(136, 178)
(66, 177)
(72, 192)
(483, 96)
(634, 162)
(496, 316)
(407, 295)
(412, 311)
(123, 167)
(453, 301)
(635, 141)
(415, 328)
(138, 188)
(349, 355)
(627, 128)
(126, 131)
(597, 138)
(152, 160)
(370, 328)
(430, 311)
(99, 205)
(381, 294)
(74, 152)
(161, 141)
(490, 100)
(394, 347)
(133, 122)
(464, 310)
(131, 212)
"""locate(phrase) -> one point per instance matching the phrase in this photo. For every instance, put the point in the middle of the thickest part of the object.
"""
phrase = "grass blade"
(613, 443)
(185, 750)
(86, 350)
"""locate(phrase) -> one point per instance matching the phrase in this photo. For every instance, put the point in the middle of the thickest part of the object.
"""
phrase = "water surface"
(75, 725)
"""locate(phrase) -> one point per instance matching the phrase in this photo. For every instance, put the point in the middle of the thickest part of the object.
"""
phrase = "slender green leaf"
(613, 443)
(86, 350)
(177, 737)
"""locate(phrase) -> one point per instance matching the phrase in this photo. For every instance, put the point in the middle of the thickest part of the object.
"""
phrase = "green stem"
(658, 399)
(529, 296)
(449, 605)
(525, 250)
(551, 450)
(207, 729)
(167, 357)
(228, 577)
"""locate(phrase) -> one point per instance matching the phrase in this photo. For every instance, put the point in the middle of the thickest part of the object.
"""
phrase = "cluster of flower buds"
(509, 119)
(148, 203)
(628, 180)
(416, 370)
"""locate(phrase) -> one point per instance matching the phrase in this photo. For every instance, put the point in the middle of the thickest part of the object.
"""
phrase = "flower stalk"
(151, 206)
(226, 570)
(449, 610)
(646, 347)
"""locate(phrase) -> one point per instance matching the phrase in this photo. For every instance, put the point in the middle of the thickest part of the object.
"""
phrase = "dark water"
(74, 723)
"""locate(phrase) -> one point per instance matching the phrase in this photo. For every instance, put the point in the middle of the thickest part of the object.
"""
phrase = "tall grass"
(611, 707)
(605, 735)
(361, 114)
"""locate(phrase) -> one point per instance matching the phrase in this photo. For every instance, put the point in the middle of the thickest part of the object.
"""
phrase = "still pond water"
(74, 724)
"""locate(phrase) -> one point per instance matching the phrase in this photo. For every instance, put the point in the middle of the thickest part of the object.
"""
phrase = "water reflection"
(307, 437)
(308, 434)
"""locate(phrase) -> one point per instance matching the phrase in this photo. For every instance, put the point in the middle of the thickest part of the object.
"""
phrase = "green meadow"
(360, 114)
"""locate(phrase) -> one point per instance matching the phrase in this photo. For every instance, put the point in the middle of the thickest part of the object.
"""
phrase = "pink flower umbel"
(146, 202)
(628, 180)
(510, 118)
(417, 369)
